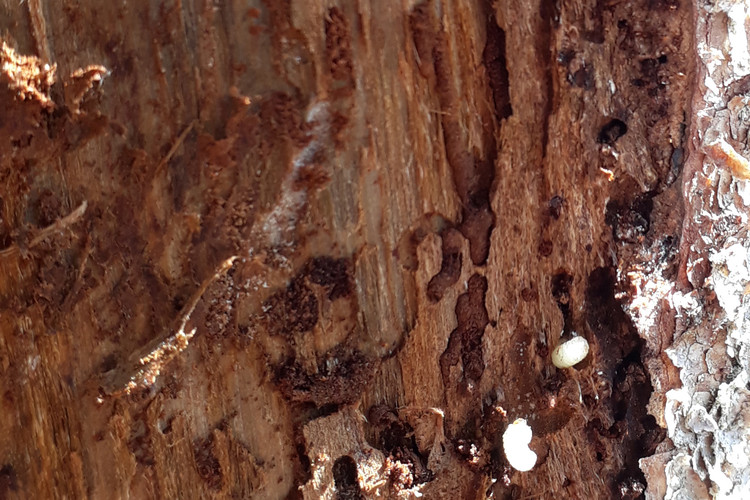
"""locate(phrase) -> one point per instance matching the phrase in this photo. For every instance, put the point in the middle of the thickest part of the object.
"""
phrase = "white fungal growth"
(516, 439)
(570, 352)
(281, 222)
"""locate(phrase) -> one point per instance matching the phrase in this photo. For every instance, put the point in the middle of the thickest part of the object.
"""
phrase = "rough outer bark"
(704, 311)
(421, 197)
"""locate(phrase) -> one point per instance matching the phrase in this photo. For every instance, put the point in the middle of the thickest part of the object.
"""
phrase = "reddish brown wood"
(420, 198)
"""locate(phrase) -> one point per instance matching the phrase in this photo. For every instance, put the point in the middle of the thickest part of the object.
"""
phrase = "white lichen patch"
(708, 417)
(516, 439)
(570, 352)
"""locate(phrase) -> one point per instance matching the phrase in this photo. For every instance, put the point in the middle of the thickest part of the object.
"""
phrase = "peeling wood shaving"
(48, 231)
(28, 76)
(81, 81)
(144, 371)
(59, 225)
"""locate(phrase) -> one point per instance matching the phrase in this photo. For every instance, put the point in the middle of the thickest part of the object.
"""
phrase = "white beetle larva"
(516, 439)
(570, 352)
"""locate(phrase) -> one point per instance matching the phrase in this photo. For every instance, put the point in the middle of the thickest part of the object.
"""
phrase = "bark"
(308, 249)
(704, 310)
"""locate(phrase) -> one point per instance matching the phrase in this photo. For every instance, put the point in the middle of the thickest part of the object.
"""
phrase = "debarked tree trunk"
(306, 249)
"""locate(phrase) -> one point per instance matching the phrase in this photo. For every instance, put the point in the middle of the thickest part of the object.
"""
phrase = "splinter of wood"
(146, 364)
(175, 146)
(48, 231)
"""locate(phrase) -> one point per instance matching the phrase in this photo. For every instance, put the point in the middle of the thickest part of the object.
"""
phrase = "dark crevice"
(206, 462)
(305, 470)
(333, 274)
(465, 342)
(555, 206)
(450, 270)
(342, 376)
(473, 172)
(397, 439)
(549, 16)
(561, 283)
(613, 329)
(621, 349)
(302, 466)
(339, 52)
(292, 312)
(611, 131)
(630, 221)
(677, 158)
(8, 480)
(345, 479)
(334, 377)
(495, 63)
(597, 32)
(676, 162)
(641, 435)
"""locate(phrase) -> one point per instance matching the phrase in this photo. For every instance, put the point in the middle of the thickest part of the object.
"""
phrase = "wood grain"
(422, 198)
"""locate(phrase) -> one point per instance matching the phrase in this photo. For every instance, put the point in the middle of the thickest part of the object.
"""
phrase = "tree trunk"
(306, 249)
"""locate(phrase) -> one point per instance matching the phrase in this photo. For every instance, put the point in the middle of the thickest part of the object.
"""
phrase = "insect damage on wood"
(311, 365)
(278, 227)
(145, 366)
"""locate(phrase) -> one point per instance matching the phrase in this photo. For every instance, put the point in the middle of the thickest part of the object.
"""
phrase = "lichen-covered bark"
(703, 309)
(263, 249)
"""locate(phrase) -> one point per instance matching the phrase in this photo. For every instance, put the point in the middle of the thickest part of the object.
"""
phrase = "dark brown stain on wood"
(465, 342)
